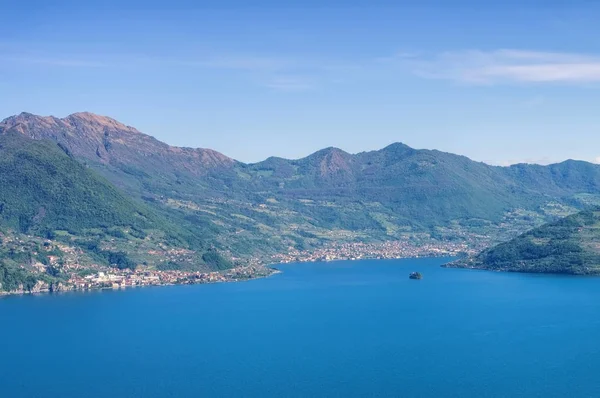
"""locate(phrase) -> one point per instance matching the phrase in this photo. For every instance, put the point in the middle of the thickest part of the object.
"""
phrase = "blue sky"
(503, 83)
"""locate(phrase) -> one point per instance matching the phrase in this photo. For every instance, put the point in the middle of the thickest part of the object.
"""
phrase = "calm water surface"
(342, 329)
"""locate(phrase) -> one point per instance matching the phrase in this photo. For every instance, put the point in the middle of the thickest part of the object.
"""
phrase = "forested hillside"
(568, 246)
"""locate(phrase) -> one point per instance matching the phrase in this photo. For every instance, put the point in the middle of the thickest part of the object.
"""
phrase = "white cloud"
(469, 66)
(243, 62)
(506, 66)
(597, 160)
(280, 73)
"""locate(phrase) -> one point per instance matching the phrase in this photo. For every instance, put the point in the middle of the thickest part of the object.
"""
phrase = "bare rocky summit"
(104, 140)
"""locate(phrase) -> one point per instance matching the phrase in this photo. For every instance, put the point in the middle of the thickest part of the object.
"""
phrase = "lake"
(338, 329)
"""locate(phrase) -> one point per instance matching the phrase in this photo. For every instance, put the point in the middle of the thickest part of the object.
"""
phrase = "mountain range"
(93, 173)
(411, 189)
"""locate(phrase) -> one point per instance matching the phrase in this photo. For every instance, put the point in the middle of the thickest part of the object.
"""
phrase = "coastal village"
(85, 277)
(383, 250)
(114, 278)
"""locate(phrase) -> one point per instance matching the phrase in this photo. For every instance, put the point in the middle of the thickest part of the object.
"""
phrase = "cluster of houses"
(115, 278)
(383, 250)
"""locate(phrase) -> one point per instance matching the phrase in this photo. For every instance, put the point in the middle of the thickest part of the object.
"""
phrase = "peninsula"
(568, 246)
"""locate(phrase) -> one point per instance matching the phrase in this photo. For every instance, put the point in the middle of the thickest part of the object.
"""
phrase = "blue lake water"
(340, 329)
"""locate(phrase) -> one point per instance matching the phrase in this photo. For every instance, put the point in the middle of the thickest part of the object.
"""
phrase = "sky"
(509, 82)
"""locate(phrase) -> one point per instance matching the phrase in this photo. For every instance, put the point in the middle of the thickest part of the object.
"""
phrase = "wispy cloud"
(62, 61)
(291, 83)
(227, 61)
(281, 73)
(245, 62)
(508, 66)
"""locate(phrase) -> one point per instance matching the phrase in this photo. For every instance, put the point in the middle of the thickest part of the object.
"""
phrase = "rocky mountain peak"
(26, 119)
(98, 121)
(105, 140)
(332, 161)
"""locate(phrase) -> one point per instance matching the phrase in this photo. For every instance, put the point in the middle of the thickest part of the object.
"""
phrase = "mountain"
(55, 212)
(108, 141)
(419, 190)
(46, 190)
(121, 152)
(330, 196)
(568, 246)
(422, 188)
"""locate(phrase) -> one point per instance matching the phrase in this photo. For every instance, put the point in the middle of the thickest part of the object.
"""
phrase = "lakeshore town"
(383, 250)
(256, 268)
(114, 278)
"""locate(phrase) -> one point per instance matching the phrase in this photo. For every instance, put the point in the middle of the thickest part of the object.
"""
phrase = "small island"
(415, 275)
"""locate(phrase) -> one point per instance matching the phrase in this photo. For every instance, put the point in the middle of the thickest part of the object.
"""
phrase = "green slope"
(51, 206)
(402, 189)
(427, 187)
(568, 246)
(43, 190)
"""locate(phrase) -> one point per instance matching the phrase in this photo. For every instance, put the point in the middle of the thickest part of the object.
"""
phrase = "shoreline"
(66, 289)
(331, 260)
(107, 278)
(225, 278)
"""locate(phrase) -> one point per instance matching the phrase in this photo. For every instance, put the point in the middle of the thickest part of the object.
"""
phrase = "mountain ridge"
(109, 122)
(392, 193)
(103, 133)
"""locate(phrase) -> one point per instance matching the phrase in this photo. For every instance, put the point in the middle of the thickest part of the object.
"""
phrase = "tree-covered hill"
(424, 188)
(568, 246)
(53, 207)
(44, 190)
